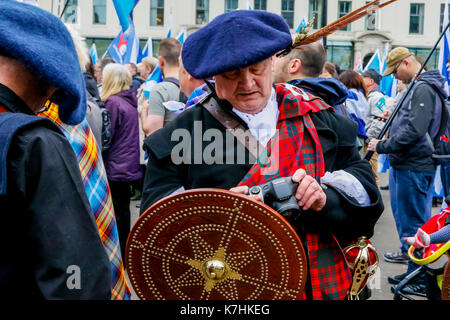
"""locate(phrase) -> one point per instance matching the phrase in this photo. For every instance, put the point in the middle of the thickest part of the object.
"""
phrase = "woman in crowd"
(356, 104)
(122, 159)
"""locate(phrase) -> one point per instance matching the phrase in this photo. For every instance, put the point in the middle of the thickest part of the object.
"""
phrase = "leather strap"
(233, 126)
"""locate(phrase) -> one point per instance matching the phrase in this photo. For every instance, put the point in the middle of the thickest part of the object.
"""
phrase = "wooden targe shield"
(212, 244)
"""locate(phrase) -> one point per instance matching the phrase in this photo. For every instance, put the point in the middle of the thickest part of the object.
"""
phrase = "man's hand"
(243, 190)
(372, 146)
(309, 194)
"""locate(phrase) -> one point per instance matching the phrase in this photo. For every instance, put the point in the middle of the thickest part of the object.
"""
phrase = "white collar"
(262, 125)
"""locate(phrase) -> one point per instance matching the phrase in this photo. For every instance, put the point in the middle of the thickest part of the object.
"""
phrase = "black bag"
(175, 81)
(106, 130)
(441, 154)
(106, 122)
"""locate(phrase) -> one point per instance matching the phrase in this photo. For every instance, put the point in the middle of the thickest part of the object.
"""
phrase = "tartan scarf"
(97, 190)
(297, 145)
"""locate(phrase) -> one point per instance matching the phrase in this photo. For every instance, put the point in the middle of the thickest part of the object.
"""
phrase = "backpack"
(441, 144)
(106, 122)
(175, 81)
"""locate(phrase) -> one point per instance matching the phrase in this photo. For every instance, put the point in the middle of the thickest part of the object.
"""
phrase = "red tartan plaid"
(295, 146)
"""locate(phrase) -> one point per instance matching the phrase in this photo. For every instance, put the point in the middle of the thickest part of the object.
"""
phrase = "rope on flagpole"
(369, 154)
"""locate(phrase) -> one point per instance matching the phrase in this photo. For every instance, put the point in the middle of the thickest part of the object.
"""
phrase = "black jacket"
(413, 130)
(341, 215)
(48, 237)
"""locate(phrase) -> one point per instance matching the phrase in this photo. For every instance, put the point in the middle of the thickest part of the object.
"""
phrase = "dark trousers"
(120, 193)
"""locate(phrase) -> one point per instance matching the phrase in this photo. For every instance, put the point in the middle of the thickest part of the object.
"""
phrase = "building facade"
(415, 24)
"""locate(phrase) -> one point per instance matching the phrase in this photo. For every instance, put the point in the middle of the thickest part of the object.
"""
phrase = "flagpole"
(64, 9)
(408, 90)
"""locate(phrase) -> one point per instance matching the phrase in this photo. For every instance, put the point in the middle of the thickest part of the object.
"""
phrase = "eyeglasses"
(396, 67)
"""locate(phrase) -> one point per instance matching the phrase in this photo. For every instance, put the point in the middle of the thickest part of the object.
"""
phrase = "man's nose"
(246, 80)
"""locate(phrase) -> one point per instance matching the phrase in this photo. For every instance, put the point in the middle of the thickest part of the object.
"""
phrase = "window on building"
(316, 11)
(422, 53)
(344, 7)
(99, 9)
(157, 12)
(71, 12)
(287, 11)
(231, 5)
(416, 18)
(340, 53)
(202, 12)
(260, 4)
(442, 16)
(371, 21)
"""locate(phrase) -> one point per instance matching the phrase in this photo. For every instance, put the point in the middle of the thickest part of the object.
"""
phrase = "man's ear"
(161, 61)
(295, 65)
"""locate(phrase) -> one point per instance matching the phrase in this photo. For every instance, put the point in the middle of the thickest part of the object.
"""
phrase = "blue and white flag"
(444, 51)
(148, 49)
(93, 53)
(387, 82)
(374, 63)
(182, 35)
(125, 47)
(155, 77)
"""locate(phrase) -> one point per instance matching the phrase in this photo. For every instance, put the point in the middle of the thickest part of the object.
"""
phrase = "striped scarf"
(297, 145)
(93, 173)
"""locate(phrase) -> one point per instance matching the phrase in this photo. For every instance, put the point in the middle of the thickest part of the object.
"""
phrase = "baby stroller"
(424, 254)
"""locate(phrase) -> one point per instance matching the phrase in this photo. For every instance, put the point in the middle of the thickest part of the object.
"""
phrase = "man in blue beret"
(302, 135)
(50, 244)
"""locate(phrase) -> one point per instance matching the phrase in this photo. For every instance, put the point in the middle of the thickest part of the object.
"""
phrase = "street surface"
(385, 239)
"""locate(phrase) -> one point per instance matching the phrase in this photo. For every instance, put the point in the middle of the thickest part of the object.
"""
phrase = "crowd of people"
(68, 176)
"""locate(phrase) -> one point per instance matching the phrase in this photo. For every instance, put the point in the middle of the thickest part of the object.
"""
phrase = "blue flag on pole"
(387, 82)
(125, 47)
(374, 63)
(156, 76)
(148, 49)
(93, 53)
(444, 51)
(124, 8)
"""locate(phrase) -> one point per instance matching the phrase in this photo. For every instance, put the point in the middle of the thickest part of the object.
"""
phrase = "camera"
(279, 194)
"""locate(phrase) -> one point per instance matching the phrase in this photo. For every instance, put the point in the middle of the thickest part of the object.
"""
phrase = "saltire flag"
(148, 49)
(156, 76)
(387, 82)
(93, 53)
(374, 63)
(182, 35)
(125, 47)
(444, 51)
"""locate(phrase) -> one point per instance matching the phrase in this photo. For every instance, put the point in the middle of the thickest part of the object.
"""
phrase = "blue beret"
(234, 40)
(43, 44)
